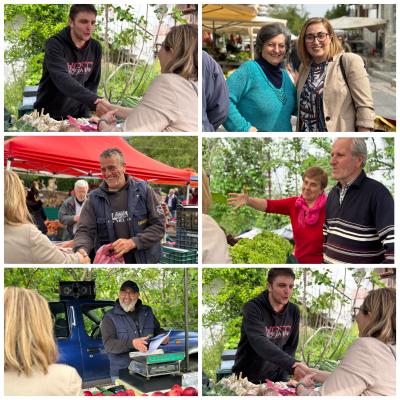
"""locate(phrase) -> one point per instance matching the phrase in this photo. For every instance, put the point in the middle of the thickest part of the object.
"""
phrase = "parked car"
(77, 330)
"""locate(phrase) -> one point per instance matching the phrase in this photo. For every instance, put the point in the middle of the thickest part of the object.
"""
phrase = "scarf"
(308, 215)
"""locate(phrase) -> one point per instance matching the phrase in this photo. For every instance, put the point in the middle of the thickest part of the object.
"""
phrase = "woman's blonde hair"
(334, 48)
(182, 40)
(380, 304)
(28, 331)
(206, 198)
(15, 208)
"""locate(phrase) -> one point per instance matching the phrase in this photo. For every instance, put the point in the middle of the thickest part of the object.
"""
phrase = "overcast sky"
(317, 10)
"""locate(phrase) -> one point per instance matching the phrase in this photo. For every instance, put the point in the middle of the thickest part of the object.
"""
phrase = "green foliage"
(337, 11)
(28, 26)
(235, 222)
(264, 248)
(211, 356)
(162, 289)
(176, 151)
(295, 15)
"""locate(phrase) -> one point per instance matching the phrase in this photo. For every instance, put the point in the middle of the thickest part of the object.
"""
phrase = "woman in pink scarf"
(307, 213)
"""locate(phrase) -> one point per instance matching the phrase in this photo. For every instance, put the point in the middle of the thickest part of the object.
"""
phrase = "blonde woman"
(333, 90)
(369, 366)
(215, 246)
(23, 242)
(170, 103)
(30, 351)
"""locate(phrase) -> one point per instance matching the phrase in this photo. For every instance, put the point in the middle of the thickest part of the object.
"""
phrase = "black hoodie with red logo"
(268, 341)
(70, 77)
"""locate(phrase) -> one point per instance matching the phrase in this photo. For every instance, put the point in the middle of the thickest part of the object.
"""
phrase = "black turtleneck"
(272, 72)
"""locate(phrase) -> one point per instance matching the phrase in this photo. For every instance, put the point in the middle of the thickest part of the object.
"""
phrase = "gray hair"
(81, 183)
(359, 148)
(267, 32)
(114, 151)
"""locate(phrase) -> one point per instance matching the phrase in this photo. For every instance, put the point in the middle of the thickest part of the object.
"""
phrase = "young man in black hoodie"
(71, 67)
(270, 332)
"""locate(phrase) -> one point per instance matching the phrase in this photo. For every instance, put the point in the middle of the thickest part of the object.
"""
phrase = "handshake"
(105, 111)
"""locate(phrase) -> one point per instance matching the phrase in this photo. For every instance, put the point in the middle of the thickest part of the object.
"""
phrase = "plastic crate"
(173, 255)
(187, 217)
(187, 239)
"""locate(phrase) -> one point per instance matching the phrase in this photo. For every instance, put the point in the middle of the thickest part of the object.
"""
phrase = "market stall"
(69, 156)
(234, 21)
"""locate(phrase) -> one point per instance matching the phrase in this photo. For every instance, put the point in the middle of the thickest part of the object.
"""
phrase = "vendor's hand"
(300, 370)
(76, 218)
(66, 245)
(252, 129)
(292, 382)
(102, 107)
(238, 199)
(140, 344)
(166, 340)
(122, 246)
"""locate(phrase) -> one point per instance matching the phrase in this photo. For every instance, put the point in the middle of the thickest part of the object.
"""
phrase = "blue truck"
(77, 330)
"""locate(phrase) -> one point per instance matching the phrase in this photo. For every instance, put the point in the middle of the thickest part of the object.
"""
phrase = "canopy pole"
(9, 164)
(187, 193)
(251, 42)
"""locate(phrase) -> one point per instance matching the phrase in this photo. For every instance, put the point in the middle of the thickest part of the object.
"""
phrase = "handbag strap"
(194, 87)
(345, 78)
(392, 349)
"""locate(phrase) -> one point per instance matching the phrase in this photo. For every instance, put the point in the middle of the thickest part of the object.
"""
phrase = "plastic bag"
(105, 255)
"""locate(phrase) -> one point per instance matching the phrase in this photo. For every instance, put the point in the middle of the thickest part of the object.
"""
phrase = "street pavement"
(384, 97)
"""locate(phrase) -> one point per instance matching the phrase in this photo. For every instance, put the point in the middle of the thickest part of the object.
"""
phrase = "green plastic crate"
(172, 255)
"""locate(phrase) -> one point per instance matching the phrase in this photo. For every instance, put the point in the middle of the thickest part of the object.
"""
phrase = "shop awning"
(79, 156)
(373, 24)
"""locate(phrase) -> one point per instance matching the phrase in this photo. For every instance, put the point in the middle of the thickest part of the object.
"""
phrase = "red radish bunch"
(177, 390)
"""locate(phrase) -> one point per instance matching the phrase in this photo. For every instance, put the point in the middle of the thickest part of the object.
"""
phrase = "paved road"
(384, 97)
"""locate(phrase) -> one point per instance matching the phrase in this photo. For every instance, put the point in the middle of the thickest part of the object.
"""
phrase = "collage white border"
(200, 137)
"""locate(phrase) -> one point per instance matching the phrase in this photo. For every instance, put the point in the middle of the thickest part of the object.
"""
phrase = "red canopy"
(79, 156)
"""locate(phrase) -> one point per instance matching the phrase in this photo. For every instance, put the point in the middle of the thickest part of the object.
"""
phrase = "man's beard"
(128, 307)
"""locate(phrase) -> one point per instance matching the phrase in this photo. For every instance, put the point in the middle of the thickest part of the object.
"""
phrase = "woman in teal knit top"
(262, 96)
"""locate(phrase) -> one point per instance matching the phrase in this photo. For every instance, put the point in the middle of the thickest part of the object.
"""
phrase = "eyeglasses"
(320, 36)
(125, 293)
(159, 46)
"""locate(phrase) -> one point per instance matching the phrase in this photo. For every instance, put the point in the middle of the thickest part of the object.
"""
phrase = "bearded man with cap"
(127, 327)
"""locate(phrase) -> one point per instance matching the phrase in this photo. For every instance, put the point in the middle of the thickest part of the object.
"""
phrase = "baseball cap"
(131, 285)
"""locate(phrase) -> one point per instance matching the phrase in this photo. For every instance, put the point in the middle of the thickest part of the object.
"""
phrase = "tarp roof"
(79, 156)
(231, 17)
(373, 24)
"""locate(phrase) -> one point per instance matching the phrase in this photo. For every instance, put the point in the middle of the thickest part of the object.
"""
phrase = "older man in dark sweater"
(270, 332)
(359, 224)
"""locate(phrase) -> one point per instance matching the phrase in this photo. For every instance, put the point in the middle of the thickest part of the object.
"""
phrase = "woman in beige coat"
(30, 351)
(369, 366)
(23, 242)
(170, 102)
(333, 90)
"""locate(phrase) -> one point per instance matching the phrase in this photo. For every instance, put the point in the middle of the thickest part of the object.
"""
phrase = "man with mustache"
(127, 327)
